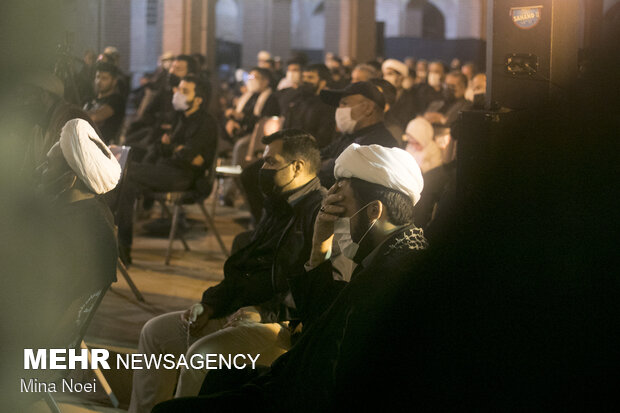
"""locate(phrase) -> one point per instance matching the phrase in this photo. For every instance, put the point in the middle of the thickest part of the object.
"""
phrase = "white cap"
(87, 155)
(396, 65)
(392, 168)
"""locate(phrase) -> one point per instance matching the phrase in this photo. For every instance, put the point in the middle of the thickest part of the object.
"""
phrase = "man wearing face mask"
(156, 113)
(432, 89)
(259, 101)
(369, 213)
(359, 118)
(180, 161)
(445, 111)
(78, 168)
(308, 112)
(255, 275)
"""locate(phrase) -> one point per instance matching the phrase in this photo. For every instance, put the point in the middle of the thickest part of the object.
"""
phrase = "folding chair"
(122, 156)
(70, 331)
(196, 196)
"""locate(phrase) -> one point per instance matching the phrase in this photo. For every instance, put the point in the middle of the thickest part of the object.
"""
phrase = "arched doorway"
(433, 22)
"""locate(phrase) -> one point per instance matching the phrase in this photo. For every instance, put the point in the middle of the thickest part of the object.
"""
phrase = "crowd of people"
(346, 168)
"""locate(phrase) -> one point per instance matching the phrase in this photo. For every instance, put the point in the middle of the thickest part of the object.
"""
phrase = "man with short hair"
(107, 110)
(445, 111)
(432, 89)
(259, 101)
(363, 73)
(158, 113)
(359, 118)
(309, 112)
(181, 160)
(369, 213)
(248, 312)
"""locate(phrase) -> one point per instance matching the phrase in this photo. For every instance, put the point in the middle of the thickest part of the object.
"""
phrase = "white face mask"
(434, 79)
(253, 85)
(342, 234)
(469, 95)
(293, 76)
(179, 102)
(344, 122)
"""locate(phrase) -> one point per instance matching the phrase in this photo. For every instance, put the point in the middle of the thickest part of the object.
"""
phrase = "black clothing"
(449, 109)
(403, 110)
(425, 94)
(157, 112)
(310, 114)
(286, 97)
(271, 108)
(435, 183)
(281, 244)
(110, 127)
(376, 134)
(197, 134)
(328, 363)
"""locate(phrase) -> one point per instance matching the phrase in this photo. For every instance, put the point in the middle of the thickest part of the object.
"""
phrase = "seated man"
(78, 168)
(156, 114)
(309, 112)
(256, 275)
(359, 117)
(369, 212)
(182, 159)
(107, 109)
(445, 111)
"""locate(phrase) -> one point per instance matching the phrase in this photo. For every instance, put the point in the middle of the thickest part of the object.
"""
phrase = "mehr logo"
(526, 17)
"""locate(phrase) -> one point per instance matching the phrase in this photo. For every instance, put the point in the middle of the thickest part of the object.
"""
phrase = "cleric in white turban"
(87, 155)
(393, 168)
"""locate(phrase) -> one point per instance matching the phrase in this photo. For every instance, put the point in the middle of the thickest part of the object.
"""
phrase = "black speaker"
(532, 48)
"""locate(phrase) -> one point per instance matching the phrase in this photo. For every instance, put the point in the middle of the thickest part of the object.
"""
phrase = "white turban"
(393, 168)
(396, 65)
(421, 130)
(99, 172)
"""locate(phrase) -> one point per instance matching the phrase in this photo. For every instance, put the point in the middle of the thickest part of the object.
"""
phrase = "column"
(189, 27)
(358, 35)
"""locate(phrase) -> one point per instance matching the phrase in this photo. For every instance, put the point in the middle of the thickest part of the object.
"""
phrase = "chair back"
(122, 155)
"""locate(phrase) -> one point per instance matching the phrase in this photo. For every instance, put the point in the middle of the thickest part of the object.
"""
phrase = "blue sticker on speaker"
(525, 17)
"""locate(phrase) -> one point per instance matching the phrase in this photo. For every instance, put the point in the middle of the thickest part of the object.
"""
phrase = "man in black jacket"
(182, 157)
(369, 213)
(308, 112)
(359, 117)
(256, 275)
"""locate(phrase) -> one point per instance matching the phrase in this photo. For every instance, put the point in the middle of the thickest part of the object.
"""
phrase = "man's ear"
(322, 85)
(375, 210)
(197, 99)
(299, 165)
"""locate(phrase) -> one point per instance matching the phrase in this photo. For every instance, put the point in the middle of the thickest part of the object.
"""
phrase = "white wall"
(307, 28)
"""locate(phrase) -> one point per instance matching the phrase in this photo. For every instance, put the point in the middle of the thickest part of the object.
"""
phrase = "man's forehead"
(187, 85)
(274, 148)
(352, 99)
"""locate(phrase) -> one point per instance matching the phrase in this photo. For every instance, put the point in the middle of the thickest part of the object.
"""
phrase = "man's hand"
(165, 139)
(324, 226)
(245, 314)
(195, 318)
(198, 160)
(232, 127)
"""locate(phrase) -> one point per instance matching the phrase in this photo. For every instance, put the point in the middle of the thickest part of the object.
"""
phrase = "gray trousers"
(167, 334)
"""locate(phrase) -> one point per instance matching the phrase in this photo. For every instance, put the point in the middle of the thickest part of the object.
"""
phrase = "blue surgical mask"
(342, 234)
